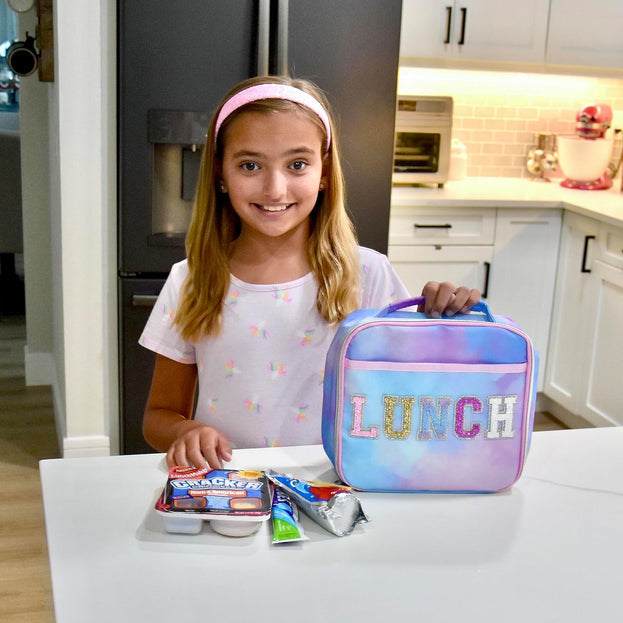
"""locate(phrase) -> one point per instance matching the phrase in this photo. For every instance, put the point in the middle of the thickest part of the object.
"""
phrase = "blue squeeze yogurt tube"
(286, 526)
(234, 501)
(334, 507)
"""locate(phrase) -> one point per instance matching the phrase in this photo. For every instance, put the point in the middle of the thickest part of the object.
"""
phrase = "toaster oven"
(423, 139)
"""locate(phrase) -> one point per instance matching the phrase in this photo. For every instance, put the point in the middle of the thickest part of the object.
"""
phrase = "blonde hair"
(331, 247)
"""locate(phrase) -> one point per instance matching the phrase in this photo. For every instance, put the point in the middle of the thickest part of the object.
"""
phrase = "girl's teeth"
(274, 208)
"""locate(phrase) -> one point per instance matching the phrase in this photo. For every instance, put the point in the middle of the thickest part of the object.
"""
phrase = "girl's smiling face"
(272, 171)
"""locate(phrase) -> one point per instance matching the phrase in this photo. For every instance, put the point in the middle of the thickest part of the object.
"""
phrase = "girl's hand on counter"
(447, 299)
(198, 445)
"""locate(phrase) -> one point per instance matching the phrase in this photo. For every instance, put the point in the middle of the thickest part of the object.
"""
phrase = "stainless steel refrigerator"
(175, 62)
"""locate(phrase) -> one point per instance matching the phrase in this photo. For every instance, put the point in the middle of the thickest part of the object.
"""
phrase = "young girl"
(244, 323)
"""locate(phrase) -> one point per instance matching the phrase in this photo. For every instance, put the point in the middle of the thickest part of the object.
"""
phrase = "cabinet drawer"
(610, 249)
(466, 265)
(439, 226)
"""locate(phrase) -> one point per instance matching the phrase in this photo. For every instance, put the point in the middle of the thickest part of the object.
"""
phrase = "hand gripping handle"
(481, 306)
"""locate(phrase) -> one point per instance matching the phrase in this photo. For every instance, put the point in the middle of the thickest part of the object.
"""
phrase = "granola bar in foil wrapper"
(335, 507)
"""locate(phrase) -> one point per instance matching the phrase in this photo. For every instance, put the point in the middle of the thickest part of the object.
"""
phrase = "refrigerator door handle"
(263, 37)
(144, 300)
(282, 37)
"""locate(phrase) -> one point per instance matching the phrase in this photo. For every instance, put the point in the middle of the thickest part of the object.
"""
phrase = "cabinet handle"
(144, 300)
(585, 253)
(463, 22)
(448, 23)
(432, 226)
(485, 289)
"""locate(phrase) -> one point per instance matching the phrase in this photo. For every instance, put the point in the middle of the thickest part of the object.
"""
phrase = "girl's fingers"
(224, 449)
(445, 298)
(438, 297)
(177, 455)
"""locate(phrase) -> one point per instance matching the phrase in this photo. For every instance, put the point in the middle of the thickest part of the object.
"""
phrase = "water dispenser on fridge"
(177, 140)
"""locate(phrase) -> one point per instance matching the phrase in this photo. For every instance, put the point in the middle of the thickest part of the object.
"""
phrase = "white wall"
(68, 178)
(85, 113)
(69, 181)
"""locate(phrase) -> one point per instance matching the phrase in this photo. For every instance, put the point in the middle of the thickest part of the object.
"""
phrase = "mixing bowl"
(583, 159)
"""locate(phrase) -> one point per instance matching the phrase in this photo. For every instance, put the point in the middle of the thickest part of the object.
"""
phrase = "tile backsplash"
(496, 114)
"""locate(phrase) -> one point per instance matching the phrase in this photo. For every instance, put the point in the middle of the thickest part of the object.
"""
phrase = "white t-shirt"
(260, 380)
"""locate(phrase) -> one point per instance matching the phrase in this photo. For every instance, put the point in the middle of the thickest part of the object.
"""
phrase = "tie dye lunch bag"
(419, 404)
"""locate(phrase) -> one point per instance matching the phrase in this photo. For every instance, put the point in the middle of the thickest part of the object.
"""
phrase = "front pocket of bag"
(432, 427)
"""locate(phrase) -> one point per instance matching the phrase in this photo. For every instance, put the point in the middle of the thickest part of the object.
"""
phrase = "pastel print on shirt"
(167, 314)
(281, 297)
(253, 405)
(231, 369)
(276, 370)
(306, 336)
(258, 330)
(232, 298)
(300, 413)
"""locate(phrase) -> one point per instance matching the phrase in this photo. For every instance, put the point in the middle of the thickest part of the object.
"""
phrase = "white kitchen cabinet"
(523, 272)
(441, 244)
(440, 226)
(586, 34)
(568, 343)
(480, 30)
(510, 255)
(601, 399)
(602, 391)
(462, 265)
(586, 344)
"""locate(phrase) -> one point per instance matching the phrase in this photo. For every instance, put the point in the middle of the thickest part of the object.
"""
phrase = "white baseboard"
(88, 446)
(39, 368)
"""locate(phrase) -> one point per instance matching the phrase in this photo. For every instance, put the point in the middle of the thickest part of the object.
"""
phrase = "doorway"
(12, 297)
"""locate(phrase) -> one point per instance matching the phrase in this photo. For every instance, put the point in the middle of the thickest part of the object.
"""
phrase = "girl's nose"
(274, 185)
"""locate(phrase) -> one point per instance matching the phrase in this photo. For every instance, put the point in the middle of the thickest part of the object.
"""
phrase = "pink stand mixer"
(586, 158)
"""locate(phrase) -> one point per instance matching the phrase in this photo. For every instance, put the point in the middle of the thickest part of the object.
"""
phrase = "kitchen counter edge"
(603, 205)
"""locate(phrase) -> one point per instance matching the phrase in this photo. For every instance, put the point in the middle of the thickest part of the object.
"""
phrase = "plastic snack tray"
(235, 502)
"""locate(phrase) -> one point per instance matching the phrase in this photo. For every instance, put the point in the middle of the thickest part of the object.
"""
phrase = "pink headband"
(271, 90)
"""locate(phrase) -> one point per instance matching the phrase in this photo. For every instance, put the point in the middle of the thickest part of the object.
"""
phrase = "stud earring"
(321, 187)
(222, 188)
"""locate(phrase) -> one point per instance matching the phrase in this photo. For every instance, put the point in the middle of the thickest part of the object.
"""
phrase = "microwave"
(422, 140)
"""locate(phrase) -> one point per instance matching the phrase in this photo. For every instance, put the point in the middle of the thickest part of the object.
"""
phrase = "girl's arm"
(167, 422)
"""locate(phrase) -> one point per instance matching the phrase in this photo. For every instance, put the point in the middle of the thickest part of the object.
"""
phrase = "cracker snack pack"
(235, 502)
(419, 404)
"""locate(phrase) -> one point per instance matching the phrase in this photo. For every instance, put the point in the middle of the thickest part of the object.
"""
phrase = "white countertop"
(507, 192)
(550, 549)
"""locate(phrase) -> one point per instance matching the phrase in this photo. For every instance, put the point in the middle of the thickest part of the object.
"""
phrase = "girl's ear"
(325, 172)
(326, 169)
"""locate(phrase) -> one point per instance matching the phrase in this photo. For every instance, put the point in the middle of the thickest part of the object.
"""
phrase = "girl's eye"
(298, 165)
(249, 166)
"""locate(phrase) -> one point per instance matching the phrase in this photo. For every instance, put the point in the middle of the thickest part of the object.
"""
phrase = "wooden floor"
(546, 421)
(27, 435)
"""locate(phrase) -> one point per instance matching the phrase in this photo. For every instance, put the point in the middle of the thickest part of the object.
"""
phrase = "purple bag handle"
(481, 306)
